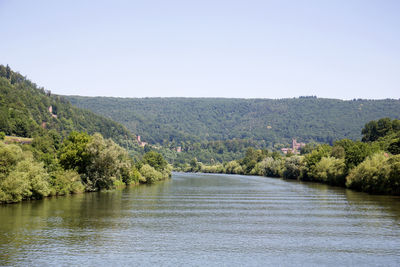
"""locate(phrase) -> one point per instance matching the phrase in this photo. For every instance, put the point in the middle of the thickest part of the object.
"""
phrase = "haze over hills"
(162, 120)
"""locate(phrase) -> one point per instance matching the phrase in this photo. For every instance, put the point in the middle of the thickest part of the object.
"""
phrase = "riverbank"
(80, 163)
(355, 165)
(379, 174)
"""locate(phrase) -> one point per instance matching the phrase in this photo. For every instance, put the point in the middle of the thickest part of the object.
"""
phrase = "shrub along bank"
(82, 162)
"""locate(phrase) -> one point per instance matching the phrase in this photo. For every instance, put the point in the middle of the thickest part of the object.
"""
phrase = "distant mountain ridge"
(162, 120)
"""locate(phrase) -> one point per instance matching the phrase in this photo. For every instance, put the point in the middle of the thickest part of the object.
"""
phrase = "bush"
(355, 152)
(166, 172)
(269, 167)
(233, 167)
(2, 135)
(14, 188)
(394, 147)
(99, 161)
(21, 176)
(330, 170)
(208, 169)
(311, 159)
(155, 160)
(134, 177)
(195, 166)
(66, 182)
(108, 163)
(28, 180)
(73, 154)
(238, 170)
(393, 183)
(218, 168)
(293, 167)
(9, 156)
(376, 174)
(150, 174)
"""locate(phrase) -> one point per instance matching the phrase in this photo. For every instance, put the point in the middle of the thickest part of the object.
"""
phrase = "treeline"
(81, 162)
(208, 152)
(277, 121)
(24, 112)
(372, 165)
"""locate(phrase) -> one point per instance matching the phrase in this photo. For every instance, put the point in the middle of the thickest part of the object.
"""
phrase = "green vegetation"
(82, 162)
(153, 167)
(377, 129)
(28, 111)
(371, 166)
(271, 123)
(48, 147)
(208, 152)
(45, 150)
(377, 174)
(24, 177)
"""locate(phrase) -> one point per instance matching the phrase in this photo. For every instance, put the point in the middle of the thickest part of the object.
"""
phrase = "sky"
(243, 49)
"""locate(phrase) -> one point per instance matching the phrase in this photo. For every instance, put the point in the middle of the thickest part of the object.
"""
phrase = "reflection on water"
(195, 219)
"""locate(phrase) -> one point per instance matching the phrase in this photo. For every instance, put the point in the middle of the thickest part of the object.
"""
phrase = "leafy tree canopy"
(374, 130)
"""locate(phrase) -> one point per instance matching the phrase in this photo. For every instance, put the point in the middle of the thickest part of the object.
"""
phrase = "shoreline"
(121, 186)
(296, 180)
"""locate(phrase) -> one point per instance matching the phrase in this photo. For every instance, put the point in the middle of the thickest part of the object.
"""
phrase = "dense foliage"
(374, 130)
(371, 166)
(43, 154)
(164, 120)
(80, 163)
(377, 174)
(208, 152)
(24, 112)
(22, 176)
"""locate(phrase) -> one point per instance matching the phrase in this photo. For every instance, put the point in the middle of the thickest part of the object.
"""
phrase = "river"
(205, 219)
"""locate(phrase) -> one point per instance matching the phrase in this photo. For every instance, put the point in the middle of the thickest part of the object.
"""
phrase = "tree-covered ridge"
(163, 120)
(26, 110)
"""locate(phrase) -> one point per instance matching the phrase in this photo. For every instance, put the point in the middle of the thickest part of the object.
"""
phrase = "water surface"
(198, 219)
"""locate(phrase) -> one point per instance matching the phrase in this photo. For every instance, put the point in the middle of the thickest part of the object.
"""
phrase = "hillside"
(162, 120)
(26, 110)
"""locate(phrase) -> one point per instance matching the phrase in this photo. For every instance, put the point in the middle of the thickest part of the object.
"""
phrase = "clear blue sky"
(252, 49)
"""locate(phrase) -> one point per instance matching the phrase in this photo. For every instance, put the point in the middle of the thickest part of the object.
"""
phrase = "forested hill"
(24, 111)
(159, 120)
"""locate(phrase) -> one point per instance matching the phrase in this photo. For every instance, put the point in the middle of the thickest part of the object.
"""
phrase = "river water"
(205, 219)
